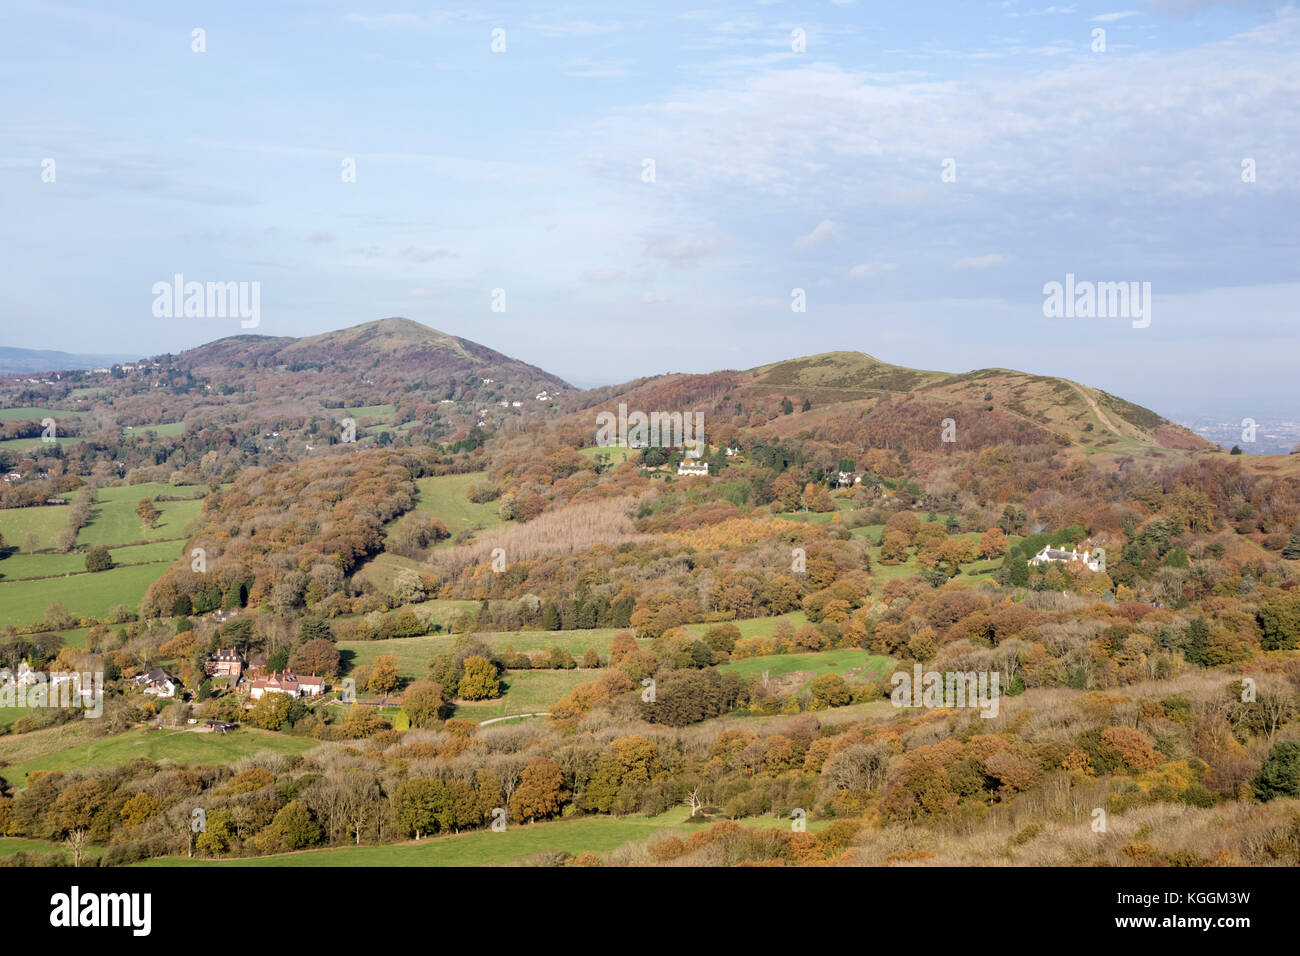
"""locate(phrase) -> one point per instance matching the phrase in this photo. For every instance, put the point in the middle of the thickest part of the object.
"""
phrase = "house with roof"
(159, 683)
(1094, 559)
(286, 682)
(227, 662)
(690, 467)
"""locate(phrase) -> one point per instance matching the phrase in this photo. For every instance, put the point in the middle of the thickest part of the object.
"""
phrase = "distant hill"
(855, 396)
(393, 346)
(15, 360)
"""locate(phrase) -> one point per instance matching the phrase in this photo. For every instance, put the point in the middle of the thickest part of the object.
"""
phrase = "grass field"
(527, 692)
(45, 522)
(168, 429)
(414, 653)
(855, 666)
(36, 565)
(183, 746)
(29, 413)
(386, 412)
(113, 519)
(11, 845)
(444, 497)
(84, 595)
(598, 834)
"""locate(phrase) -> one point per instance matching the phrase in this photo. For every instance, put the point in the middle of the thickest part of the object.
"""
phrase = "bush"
(98, 559)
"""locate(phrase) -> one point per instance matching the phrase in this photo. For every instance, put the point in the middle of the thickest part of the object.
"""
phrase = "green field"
(167, 430)
(11, 845)
(527, 692)
(598, 834)
(855, 666)
(113, 519)
(183, 746)
(414, 653)
(84, 595)
(37, 565)
(29, 413)
(45, 522)
(28, 444)
(386, 412)
(444, 497)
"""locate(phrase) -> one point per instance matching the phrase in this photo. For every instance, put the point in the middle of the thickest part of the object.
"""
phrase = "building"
(1094, 559)
(225, 663)
(690, 467)
(286, 682)
(846, 479)
(159, 683)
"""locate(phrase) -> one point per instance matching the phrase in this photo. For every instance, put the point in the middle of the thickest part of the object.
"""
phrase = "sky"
(649, 184)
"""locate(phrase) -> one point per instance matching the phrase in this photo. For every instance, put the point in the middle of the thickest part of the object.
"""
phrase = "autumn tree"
(540, 792)
(148, 514)
(480, 680)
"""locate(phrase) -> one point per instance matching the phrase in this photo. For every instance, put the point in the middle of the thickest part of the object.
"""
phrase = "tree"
(416, 804)
(830, 690)
(147, 513)
(480, 680)
(1292, 550)
(318, 656)
(993, 543)
(1280, 619)
(98, 559)
(424, 703)
(383, 675)
(1280, 775)
(540, 792)
(271, 712)
(292, 828)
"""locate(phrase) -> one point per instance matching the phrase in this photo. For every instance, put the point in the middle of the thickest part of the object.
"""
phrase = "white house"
(1094, 559)
(159, 683)
(286, 683)
(689, 467)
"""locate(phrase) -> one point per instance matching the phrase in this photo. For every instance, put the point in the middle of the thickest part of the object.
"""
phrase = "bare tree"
(77, 842)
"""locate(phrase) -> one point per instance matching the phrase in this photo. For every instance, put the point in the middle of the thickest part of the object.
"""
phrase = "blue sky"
(774, 169)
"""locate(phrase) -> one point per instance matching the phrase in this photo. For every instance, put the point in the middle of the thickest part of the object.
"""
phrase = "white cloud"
(684, 252)
(609, 274)
(1112, 17)
(820, 234)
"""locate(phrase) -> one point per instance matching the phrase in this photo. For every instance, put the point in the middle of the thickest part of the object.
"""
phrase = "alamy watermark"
(932, 689)
(1098, 300)
(30, 688)
(208, 300)
(655, 430)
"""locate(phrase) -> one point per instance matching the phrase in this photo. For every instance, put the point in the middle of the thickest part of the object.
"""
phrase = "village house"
(159, 683)
(847, 478)
(1094, 560)
(689, 467)
(227, 662)
(286, 682)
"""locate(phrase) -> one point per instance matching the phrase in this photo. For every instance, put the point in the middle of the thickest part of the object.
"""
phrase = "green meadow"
(855, 666)
(182, 746)
(84, 595)
(597, 834)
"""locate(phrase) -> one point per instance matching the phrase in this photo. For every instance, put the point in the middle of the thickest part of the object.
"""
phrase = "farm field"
(27, 413)
(18, 566)
(44, 521)
(527, 692)
(413, 653)
(113, 519)
(183, 746)
(445, 498)
(168, 429)
(598, 834)
(12, 845)
(855, 666)
(84, 595)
